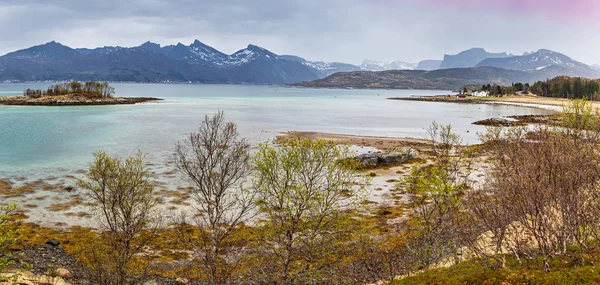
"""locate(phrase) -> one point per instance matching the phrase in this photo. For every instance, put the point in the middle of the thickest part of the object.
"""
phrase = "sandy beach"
(532, 101)
(381, 143)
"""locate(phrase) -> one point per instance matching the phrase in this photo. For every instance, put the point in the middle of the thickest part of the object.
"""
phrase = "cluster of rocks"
(396, 156)
(498, 122)
(51, 264)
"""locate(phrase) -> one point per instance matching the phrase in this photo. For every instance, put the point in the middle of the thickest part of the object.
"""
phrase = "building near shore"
(481, 93)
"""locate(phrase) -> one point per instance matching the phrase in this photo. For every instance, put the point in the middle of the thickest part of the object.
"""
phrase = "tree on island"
(93, 88)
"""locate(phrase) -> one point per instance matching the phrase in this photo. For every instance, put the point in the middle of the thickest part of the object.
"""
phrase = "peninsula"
(73, 94)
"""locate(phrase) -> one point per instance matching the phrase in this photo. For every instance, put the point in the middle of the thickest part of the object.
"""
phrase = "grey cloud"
(333, 30)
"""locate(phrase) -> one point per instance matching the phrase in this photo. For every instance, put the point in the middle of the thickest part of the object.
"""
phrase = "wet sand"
(381, 143)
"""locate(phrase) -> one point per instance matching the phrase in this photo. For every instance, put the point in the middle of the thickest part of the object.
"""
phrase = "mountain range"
(198, 62)
(151, 62)
(471, 67)
(445, 79)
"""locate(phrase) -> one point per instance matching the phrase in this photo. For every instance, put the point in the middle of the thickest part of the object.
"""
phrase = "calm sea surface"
(51, 141)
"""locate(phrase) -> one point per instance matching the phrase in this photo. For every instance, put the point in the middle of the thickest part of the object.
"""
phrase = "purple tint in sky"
(564, 8)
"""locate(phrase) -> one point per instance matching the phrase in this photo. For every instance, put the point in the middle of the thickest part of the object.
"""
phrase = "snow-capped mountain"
(325, 68)
(541, 60)
(150, 62)
(199, 62)
(197, 53)
(249, 54)
(372, 65)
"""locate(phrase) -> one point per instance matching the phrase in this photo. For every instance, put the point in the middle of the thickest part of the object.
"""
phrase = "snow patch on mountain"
(372, 65)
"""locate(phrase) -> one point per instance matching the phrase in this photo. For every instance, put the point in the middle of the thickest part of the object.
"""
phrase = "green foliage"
(304, 189)
(579, 114)
(474, 272)
(9, 235)
(502, 90)
(122, 194)
(567, 87)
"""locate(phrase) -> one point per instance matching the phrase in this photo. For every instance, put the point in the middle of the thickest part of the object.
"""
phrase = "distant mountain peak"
(475, 49)
(469, 58)
(150, 46)
(198, 43)
(257, 48)
(51, 49)
(429, 64)
(543, 59)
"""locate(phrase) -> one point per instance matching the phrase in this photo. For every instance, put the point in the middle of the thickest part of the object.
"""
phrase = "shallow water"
(50, 141)
(44, 147)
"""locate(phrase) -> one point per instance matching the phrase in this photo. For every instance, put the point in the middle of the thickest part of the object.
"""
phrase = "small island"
(72, 94)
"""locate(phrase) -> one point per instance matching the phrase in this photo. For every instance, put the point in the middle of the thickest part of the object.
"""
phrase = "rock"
(368, 159)
(69, 188)
(28, 278)
(53, 242)
(498, 122)
(180, 280)
(62, 272)
(396, 156)
(150, 282)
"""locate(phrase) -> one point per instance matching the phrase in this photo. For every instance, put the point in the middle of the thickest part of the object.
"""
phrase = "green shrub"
(9, 235)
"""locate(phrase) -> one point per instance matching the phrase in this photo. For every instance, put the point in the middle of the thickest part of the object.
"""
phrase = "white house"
(481, 93)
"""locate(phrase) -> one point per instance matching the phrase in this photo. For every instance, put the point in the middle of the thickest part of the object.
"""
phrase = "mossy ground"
(564, 270)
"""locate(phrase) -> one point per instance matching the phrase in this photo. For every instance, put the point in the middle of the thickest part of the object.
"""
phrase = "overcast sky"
(329, 30)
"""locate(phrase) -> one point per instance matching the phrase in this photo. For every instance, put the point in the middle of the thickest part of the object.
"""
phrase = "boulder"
(182, 281)
(63, 272)
(28, 278)
(396, 156)
(53, 242)
(368, 159)
(498, 122)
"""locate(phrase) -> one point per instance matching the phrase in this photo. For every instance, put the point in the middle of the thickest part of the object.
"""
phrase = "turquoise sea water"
(51, 141)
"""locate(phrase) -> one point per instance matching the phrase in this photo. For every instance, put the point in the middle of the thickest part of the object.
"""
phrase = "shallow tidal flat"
(45, 149)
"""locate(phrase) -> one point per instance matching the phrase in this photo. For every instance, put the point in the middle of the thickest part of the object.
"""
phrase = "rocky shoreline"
(73, 100)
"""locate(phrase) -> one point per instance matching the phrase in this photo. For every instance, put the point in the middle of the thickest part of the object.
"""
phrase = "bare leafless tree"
(217, 163)
(436, 193)
(541, 196)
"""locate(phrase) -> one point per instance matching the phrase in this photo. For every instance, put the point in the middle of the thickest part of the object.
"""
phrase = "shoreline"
(546, 103)
(72, 100)
(381, 143)
(57, 202)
